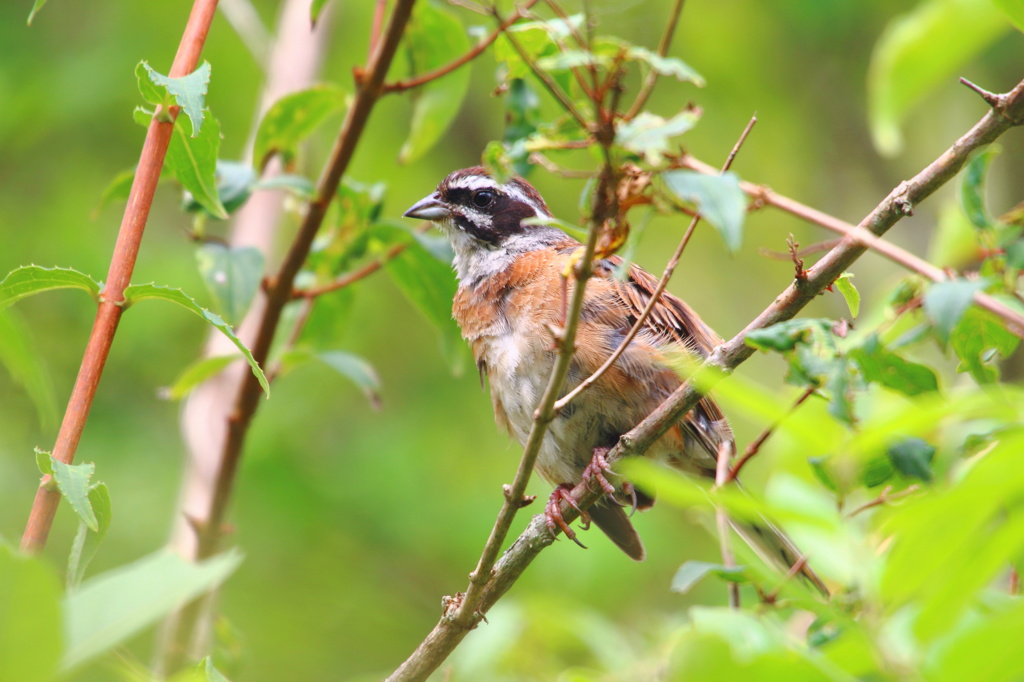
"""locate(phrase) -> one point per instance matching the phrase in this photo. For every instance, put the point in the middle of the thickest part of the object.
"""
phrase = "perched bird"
(511, 294)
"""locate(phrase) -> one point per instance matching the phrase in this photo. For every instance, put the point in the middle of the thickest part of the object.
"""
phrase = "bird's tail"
(775, 547)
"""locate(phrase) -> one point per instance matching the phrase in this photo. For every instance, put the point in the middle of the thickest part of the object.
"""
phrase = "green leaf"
(189, 92)
(1014, 11)
(234, 182)
(115, 605)
(18, 354)
(719, 199)
(650, 136)
(429, 285)
(141, 292)
(315, 8)
(292, 119)
(87, 541)
(193, 162)
(880, 365)
(32, 279)
(876, 471)
(198, 372)
(352, 367)
(211, 673)
(537, 39)
(850, 294)
(30, 637)
(232, 276)
(522, 118)
(822, 470)
(1015, 254)
(912, 457)
(433, 38)
(946, 302)
(666, 66)
(979, 338)
(919, 51)
(692, 572)
(44, 461)
(784, 336)
(73, 483)
(294, 184)
(972, 189)
(118, 190)
(36, 6)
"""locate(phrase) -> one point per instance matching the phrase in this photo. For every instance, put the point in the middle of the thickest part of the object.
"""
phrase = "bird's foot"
(553, 513)
(596, 471)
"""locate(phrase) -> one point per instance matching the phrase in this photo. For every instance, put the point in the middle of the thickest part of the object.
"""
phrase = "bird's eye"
(483, 198)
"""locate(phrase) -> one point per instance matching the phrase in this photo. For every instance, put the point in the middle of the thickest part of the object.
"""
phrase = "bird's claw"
(553, 513)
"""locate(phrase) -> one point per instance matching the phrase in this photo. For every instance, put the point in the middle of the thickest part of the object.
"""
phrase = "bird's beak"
(428, 208)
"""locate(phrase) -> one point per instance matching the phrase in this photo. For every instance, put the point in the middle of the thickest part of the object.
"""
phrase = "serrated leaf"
(912, 457)
(650, 135)
(141, 292)
(198, 372)
(193, 163)
(850, 294)
(946, 302)
(572, 59)
(188, 92)
(784, 336)
(979, 338)
(118, 604)
(972, 189)
(434, 37)
(917, 52)
(73, 483)
(19, 356)
(719, 199)
(43, 462)
(292, 119)
(666, 66)
(32, 279)
(880, 365)
(692, 572)
(87, 541)
(232, 276)
(30, 640)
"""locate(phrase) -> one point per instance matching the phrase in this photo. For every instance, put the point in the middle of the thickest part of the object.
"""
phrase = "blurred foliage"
(900, 480)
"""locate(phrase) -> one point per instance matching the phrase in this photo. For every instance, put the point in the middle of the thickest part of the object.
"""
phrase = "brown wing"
(672, 323)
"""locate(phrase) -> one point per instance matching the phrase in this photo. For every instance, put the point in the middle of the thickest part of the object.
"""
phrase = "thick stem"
(122, 263)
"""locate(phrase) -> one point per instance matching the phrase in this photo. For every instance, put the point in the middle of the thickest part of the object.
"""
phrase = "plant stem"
(122, 263)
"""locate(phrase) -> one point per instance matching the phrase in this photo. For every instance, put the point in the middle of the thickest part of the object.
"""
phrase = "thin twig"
(725, 451)
(379, 10)
(655, 295)
(884, 497)
(755, 446)
(416, 81)
(663, 46)
(122, 263)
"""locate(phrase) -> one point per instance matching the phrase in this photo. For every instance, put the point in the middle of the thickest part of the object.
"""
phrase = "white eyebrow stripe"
(519, 195)
(474, 182)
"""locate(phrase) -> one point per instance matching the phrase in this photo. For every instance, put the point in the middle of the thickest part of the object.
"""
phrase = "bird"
(511, 294)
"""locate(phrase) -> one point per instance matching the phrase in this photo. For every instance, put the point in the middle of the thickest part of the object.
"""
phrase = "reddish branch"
(122, 263)
(448, 632)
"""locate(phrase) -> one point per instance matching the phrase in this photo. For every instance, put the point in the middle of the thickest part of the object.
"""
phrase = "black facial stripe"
(481, 232)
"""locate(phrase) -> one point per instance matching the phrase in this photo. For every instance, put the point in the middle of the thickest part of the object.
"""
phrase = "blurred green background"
(355, 522)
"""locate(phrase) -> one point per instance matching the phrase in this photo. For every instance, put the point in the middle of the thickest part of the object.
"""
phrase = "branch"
(755, 446)
(122, 263)
(726, 357)
(422, 79)
(663, 45)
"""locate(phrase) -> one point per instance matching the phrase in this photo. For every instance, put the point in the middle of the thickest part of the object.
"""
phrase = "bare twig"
(725, 452)
(865, 238)
(655, 295)
(422, 79)
(755, 446)
(122, 263)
